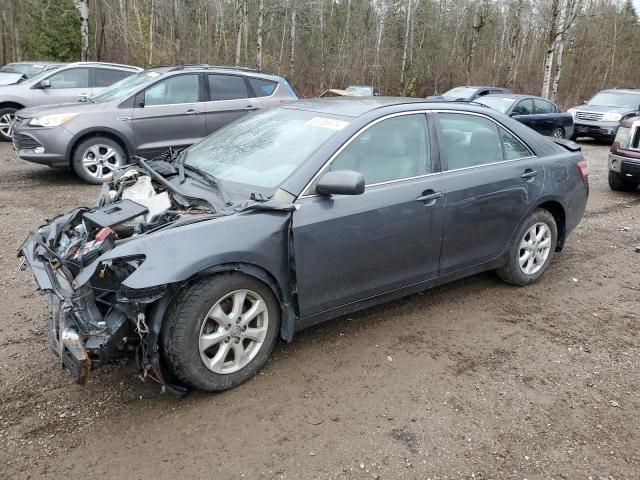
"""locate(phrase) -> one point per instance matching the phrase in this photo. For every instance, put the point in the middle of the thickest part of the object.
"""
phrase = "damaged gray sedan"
(196, 263)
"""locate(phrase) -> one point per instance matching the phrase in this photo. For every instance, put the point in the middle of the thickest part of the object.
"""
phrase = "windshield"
(26, 69)
(500, 104)
(360, 89)
(124, 87)
(263, 149)
(458, 93)
(616, 99)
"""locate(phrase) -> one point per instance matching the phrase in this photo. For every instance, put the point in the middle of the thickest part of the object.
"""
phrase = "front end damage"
(94, 318)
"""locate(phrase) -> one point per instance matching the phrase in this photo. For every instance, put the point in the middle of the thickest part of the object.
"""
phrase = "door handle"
(528, 173)
(429, 197)
(250, 107)
(191, 111)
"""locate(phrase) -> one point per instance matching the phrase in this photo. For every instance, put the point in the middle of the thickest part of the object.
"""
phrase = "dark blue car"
(198, 262)
(542, 115)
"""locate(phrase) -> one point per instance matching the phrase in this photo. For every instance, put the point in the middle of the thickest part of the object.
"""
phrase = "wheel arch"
(8, 104)
(556, 209)
(97, 132)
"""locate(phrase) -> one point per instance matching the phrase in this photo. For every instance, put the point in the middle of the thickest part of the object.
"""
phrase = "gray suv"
(600, 117)
(145, 114)
(67, 83)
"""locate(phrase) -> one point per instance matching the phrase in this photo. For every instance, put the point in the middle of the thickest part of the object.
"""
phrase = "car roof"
(358, 106)
(213, 69)
(36, 63)
(515, 96)
(103, 64)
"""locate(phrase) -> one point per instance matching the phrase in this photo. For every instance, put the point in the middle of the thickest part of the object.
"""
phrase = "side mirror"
(341, 182)
(46, 83)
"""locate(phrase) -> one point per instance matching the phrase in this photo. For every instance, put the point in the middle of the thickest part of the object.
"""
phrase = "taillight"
(583, 168)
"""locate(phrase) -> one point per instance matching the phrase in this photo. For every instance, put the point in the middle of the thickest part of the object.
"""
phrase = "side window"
(392, 149)
(262, 88)
(469, 140)
(173, 90)
(513, 148)
(105, 77)
(542, 106)
(72, 78)
(227, 87)
(524, 107)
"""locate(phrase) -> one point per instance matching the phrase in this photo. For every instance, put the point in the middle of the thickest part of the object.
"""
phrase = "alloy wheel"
(558, 133)
(6, 124)
(233, 331)
(100, 161)
(535, 247)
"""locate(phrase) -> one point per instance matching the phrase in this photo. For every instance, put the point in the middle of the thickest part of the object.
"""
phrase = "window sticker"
(329, 123)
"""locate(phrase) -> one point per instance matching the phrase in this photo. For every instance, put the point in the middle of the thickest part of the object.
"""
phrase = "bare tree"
(83, 10)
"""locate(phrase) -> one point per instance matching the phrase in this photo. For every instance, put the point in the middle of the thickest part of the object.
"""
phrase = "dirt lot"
(475, 379)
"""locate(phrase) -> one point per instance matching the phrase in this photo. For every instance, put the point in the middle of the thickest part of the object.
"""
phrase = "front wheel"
(558, 133)
(96, 158)
(532, 249)
(220, 331)
(619, 183)
(7, 115)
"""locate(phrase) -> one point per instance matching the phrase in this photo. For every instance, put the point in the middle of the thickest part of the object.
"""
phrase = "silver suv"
(600, 116)
(145, 114)
(67, 83)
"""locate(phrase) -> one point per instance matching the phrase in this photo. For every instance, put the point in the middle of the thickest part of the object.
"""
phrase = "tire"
(620, 184)
(512, 272)
(189, 330)
(6, 116)
(558, 132)
(95, 159)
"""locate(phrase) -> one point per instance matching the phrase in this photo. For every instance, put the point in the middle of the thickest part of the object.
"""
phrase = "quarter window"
(542, 106)
(513, 148)
(262, 88)
(469, 140)
(72, 78)
(227, 87)
(392, 149)
(173, 90)
(105, 77)
(524, 107)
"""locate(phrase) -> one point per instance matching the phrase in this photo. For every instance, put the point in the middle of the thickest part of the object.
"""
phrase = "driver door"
(349, 248)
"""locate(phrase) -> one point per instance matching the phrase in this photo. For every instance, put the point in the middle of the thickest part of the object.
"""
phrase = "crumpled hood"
(75, 107)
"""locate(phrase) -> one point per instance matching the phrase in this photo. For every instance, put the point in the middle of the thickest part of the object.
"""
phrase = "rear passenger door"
(546, 116)
(491, 180)
(105, 77)
(169, 113)
(229, 98)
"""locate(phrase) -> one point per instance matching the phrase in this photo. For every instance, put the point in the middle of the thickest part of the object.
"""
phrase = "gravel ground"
(475, 379)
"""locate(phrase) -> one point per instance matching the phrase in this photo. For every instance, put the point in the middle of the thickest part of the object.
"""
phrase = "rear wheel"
(7, 115)
(619, 183)
(558, 133)
(96, 158)
(220, 331)
(532, 249)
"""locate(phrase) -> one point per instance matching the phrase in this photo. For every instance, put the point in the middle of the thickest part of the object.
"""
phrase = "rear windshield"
(500, 104)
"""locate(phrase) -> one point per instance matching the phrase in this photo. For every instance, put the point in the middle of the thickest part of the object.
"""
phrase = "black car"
(468, 93)
(197, 263)
(535, 112)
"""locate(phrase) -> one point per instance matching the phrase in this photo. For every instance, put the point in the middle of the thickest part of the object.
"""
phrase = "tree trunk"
(562, 22)
(151, 15)
(405, 46)
(382, 13)
(292, 37)
(238, 21)
(476, 26)
(83, 10)
(551, 47)
(259, 34)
